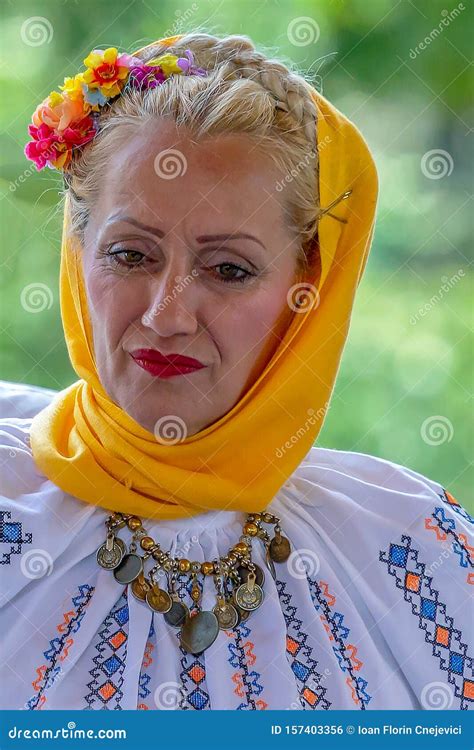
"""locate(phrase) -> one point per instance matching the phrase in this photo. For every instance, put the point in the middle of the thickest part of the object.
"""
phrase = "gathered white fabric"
(373, 610)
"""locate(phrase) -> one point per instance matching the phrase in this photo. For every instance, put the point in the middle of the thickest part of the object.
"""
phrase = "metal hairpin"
(326, 210)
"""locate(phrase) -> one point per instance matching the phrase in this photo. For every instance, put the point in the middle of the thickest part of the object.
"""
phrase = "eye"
(129, 259)
(233, 268)
(130, 262)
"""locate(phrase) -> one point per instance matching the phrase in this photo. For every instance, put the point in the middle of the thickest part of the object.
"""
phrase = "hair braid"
(290, 91)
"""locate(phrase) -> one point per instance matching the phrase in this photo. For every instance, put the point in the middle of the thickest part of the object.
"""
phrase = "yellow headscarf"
(92, 449)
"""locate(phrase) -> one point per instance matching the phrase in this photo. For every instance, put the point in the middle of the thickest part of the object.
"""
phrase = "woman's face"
(182, 241)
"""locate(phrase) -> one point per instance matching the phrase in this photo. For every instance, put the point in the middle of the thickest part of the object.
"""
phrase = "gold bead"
(231, 557)
(184, 565)
(207, 568)
(251, 529)
(195, 594)
(267, 518)
(241, 547)
(147, 543)
(156, 554)
(134, 523)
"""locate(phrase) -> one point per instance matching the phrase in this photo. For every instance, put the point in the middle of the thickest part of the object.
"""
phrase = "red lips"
(165, 366)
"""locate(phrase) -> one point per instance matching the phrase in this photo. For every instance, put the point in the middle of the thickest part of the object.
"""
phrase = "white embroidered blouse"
(373, 609)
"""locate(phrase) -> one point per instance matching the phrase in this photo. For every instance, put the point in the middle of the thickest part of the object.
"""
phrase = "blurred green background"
(400, 71)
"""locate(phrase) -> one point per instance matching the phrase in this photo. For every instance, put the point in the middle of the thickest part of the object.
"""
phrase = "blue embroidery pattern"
(459, 545)
(59, 647)
(340, 633)
(299, 656)
(144, 679)
(445, 639)
(111, 646)
(248, 682)
(11, 533)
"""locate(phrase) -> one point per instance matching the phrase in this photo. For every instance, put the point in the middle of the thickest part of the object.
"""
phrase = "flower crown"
(68, 118)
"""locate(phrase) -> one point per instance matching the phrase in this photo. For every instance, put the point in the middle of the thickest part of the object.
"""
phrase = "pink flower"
(68, 118)
(41, 149)
(49, 148)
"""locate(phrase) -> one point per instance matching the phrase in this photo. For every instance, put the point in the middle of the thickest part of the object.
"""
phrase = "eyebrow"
(235, 235)
(135, 222)
(201, 238)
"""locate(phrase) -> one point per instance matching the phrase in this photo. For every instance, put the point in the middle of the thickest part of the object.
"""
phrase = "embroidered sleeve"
(432, 567)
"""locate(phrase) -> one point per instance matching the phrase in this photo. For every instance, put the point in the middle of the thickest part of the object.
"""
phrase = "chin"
(163, 414)
(169, 426)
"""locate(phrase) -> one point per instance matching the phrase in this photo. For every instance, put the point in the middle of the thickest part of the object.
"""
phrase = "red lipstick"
(165, 366)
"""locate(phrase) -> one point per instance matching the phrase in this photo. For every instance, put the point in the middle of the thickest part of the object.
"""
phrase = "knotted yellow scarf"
(92, 449)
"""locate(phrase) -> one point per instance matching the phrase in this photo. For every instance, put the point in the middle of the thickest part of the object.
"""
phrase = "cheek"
(248, 324)
(114, 303)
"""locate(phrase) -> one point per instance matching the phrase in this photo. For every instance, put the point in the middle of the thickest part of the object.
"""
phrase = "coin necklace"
(198, 628)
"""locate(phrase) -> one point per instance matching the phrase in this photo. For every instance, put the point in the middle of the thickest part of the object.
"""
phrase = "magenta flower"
(146, 76)
(41, 149)
(49, 148)
(67, 120)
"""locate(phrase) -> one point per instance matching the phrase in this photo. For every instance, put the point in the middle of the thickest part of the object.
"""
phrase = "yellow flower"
(63, 160)
(98, 57)
(73, 87)
(168, 63)
(105, 72)
(54, 99)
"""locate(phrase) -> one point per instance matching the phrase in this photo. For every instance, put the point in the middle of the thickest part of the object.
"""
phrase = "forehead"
(164, 172)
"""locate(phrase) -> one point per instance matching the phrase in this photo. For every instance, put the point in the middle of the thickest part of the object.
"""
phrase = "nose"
(173, 304)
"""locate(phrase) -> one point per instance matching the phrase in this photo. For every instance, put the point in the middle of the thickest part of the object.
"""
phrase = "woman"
(172, 536)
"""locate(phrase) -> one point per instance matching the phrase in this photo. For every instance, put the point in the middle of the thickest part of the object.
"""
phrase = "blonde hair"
(243, 92)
